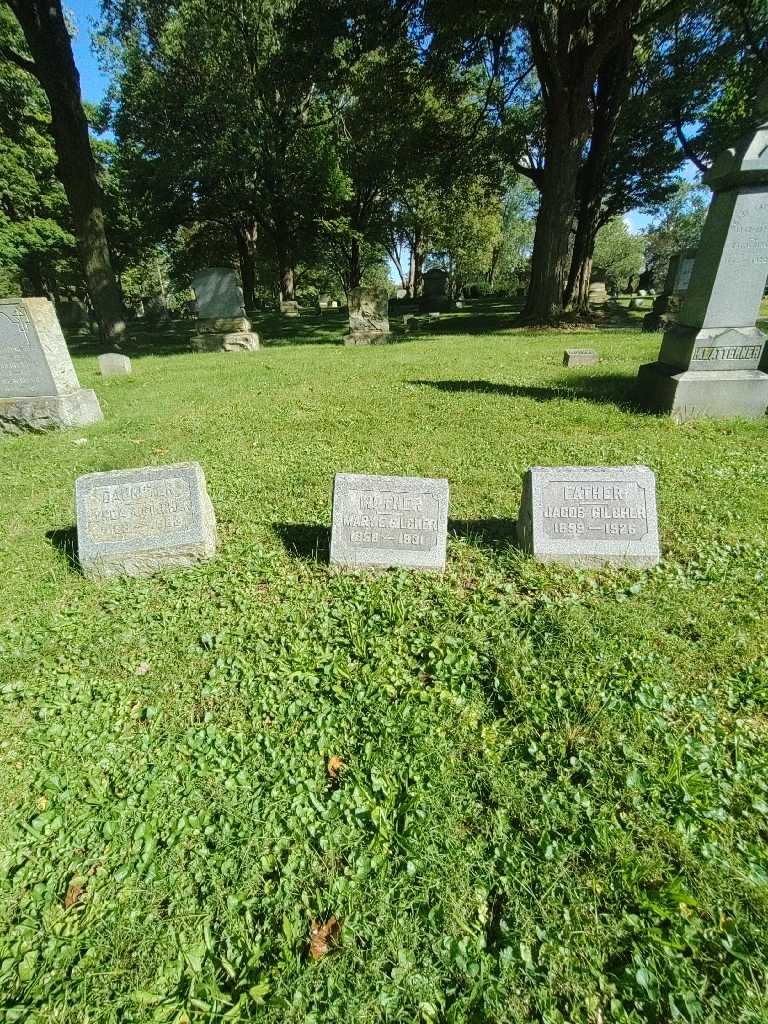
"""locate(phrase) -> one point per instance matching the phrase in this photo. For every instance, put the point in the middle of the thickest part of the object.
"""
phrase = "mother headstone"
(710, 358)
(222, 324)
(39, 389)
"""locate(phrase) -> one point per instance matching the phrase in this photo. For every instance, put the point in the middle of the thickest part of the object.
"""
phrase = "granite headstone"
(580, 357)
(222, 325)
(113, 364)
(712, 352)
(389, 521)
(368, 317)
(133, 522)
(590, 515)
(39, 389)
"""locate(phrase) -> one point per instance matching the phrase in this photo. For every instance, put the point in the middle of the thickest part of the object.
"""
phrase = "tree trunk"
(355, 264)
(418, 256)
(246, 234)
(549, 262)
(53, 64)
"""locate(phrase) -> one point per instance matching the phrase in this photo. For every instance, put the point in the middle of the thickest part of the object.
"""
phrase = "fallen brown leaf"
(335, 766)
(74, 892)
(323, 937)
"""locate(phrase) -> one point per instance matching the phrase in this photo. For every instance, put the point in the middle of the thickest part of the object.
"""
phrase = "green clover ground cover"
(553, 804)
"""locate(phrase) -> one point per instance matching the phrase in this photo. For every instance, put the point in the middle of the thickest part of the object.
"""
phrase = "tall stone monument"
(711, 353)
(222, 325)
(368, 317)
(39, 389)
(435, 298)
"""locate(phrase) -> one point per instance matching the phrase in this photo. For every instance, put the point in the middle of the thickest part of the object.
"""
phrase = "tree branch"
(688, 149)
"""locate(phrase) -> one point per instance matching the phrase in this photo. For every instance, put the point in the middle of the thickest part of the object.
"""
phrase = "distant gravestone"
(133, 522)
(289, 307)
(323, 302)
(39, 389)
(590, 515)
(368, 317)
(435, 291)
(598, 294)
(668, 302)
(222, 325)
(334, 304)
(580, 357)
(112, 364)
(389, 521)
(712, 352)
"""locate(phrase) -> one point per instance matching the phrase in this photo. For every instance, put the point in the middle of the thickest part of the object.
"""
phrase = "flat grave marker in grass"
(580, 357)
(389, 521)
(39, 389)
(590, 515)
(133, 522)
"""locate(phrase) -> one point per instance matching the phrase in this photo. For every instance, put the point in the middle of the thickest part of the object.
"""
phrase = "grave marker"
(133, 522)
(112, 364)
(580, 357)
(712, 352)
(222, 325)
(368, 317)
(389, 521)
(590, 515)
(39, 389)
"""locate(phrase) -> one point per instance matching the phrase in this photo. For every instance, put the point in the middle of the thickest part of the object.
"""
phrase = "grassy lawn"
(553, 802)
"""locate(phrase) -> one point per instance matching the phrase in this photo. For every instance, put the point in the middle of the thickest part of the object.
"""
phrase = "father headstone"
(368, 317)
(112, 364)
(389, 521)
(710, 358)
(590, 515)
(39, 389)
(133, 522)
(580, 357)
(222, 325)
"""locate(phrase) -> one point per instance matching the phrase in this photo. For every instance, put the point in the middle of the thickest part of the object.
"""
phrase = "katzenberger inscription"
(136, 521)
(389, 521)
(590, 515)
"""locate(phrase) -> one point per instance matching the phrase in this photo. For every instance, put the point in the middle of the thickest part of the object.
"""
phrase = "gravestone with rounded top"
(133, 522)
(113, 364)
(222, 325)
(39, 389)
(590, 515)
(389, 521)
(712, 353)
(368, 317)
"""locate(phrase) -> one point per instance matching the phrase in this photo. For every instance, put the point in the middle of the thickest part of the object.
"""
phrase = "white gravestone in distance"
(389, 521)
(133, 522)
(590, 515)
(712, 353)
(113, 364)
(222, 324)
(39, 389)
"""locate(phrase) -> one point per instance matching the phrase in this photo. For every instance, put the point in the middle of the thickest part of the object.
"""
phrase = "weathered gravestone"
(133, 522)
(112, 364)
(389, 521)
(222, 325)
(590, 515)
(39, 389)
(711, 354)
(368, 317)
(598, 294)
(435, 291)
(289, 307)
(323, 302)
(668, 302)
(580, 357)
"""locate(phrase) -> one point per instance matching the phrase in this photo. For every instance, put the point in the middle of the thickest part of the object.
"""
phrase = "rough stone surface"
(389, 521)
(580, 357)
(112, 364)
(368, 317)
(133, 522)
(218, 294)
(230, 341)
(590, 515)
(289, 307)
(711, 350)
(39, 389)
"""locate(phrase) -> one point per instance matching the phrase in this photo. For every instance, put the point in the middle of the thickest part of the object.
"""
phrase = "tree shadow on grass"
(305, 540)
(65, 541)
(496, 532)
(613, 389)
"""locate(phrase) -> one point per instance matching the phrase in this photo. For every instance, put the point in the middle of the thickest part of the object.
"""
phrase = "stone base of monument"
(694, 394)
(75, 409)
(368, 338)
(225, 334)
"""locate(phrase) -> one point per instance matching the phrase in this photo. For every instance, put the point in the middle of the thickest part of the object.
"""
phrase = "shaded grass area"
(553, 803)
